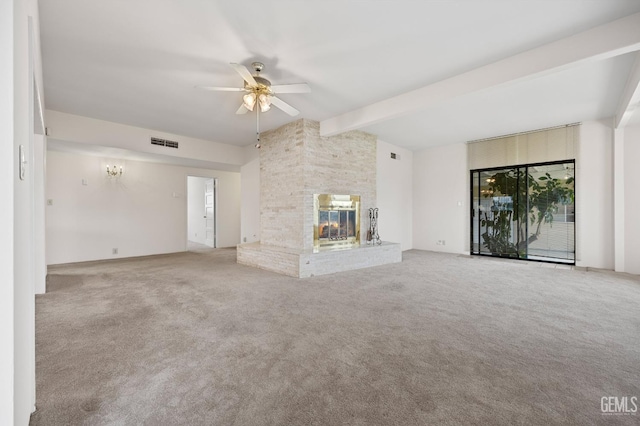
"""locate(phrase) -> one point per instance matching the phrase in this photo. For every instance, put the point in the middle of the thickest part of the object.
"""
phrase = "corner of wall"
(594, 195)
(631, 199)
(440, 199)
(394, 182)
(250, 201)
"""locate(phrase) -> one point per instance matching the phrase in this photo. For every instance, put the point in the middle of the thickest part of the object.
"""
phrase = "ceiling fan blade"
(242, 110)
(221, 89)
(284, 106)
(244, 73)
(291, 88)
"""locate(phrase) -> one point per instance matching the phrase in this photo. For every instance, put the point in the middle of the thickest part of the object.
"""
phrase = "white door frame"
(215, 207)
(211, 242)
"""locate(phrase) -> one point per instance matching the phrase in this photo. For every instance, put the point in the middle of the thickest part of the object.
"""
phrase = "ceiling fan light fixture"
(249, 101)
(265, 102)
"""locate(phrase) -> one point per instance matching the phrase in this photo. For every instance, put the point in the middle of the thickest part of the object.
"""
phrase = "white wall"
(196, 223)
(632, 199)
(228, 200)
(90, 131)
(141, 213)
(250, 212)
(395, 194)
(19, 65)
(7, 173)
(441, 199)
(594, 196)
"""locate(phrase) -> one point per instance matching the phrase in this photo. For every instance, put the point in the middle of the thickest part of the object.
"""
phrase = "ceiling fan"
(260, 92)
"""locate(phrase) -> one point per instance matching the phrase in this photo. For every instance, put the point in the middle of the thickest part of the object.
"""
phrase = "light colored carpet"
(196, 339)
(194, 246)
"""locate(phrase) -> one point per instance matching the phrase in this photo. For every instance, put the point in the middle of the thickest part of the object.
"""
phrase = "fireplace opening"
(336, 225)
(336, 221)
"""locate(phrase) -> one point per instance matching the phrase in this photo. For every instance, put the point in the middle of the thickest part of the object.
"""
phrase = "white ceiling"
(137, 62)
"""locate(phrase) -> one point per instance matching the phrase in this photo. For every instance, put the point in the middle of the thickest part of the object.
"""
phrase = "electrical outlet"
(440, 242)
(50, 202)
(245, 239)
(114, 251)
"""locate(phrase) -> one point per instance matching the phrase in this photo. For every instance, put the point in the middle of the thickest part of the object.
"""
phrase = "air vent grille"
(164, 142)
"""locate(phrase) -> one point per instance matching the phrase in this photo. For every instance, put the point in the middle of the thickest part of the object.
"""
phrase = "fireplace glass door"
(336, 221)
(336, 225)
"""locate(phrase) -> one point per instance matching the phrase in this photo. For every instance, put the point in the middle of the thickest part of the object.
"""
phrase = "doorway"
(201, 212)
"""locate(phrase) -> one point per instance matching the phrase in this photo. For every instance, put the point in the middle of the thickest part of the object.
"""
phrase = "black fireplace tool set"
(373, 238)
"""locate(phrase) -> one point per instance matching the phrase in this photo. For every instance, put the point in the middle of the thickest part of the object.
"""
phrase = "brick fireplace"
(299, 172)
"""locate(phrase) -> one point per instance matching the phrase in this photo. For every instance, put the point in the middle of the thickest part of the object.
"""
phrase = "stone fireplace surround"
(296, 163)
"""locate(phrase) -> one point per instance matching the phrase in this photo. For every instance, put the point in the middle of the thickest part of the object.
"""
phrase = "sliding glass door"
(524, 212)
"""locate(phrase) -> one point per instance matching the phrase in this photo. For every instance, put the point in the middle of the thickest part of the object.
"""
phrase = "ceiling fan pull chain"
(258, 127)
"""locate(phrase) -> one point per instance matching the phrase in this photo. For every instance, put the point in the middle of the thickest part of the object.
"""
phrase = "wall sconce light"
(113, 172)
